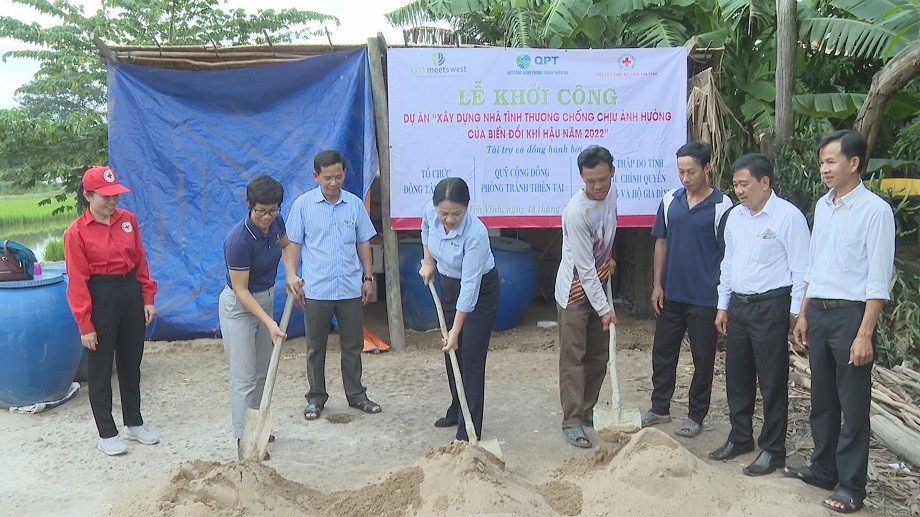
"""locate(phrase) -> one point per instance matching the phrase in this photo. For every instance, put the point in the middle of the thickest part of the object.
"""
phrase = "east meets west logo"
(438, 66)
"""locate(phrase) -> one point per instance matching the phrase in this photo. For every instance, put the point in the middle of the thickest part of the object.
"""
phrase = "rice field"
(24, 210)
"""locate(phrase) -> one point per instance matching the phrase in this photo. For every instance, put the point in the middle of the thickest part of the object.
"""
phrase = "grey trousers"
(583, 355)
(248, 348)
(350, 317)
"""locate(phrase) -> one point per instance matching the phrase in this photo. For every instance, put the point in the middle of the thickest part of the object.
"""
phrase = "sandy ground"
(395, 460)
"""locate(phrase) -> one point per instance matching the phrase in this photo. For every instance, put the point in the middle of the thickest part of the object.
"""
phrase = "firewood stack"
(895, 416)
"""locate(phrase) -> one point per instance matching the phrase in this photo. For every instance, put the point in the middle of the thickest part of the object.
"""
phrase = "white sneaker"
(112, 446)
(140, 433)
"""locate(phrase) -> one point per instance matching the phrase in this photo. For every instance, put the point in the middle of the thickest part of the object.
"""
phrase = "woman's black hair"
(264, 190)
(451, 189)
(82, 203)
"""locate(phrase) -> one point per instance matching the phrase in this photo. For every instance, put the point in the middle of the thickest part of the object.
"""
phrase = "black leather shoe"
(764, 464)
(444, 422)
(731, 450)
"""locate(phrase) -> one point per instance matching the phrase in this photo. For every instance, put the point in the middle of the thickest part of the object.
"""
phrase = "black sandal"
(848, 502)
(312, 411)
(366, 405)
(806, 475)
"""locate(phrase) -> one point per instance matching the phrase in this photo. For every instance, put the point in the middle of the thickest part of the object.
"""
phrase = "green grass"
(54, 251)
(24, 209)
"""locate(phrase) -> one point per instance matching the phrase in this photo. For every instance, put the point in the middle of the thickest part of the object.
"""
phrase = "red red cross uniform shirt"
(94, 248)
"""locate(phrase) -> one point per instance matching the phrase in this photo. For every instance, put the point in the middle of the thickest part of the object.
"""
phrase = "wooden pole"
(787, 37)
(390, 246)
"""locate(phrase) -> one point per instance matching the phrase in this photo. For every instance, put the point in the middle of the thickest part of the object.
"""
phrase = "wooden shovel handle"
(458, 380)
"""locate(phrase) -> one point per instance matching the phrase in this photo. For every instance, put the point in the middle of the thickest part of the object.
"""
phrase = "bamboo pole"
(390, 245)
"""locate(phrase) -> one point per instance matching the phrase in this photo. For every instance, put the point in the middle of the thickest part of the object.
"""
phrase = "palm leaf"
(563, 16)
(616, 8)
(653, 28)
(828, 105)
(850, 37)
(870, 10)
(413, 15)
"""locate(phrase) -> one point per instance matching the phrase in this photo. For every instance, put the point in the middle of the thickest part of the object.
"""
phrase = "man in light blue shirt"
(849, 268)
(329, 230)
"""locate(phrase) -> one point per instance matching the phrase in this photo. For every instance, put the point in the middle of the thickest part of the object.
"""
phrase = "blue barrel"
(517, 273)
(418, 308)
(40, 345)
(59, 267)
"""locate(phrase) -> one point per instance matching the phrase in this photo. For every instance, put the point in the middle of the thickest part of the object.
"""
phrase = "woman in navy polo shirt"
(252, 251)
(459, 243)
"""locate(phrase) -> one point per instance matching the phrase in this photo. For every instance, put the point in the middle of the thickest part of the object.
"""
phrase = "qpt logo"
(522, 61)
(627, 61)
(437, 59)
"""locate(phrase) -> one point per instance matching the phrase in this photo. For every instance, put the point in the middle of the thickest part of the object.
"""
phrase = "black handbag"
(11, 268)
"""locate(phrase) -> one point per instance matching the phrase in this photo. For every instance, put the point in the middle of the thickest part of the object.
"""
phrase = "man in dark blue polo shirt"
(688, 251)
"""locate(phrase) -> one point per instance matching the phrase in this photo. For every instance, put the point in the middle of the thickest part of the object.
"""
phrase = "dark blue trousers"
(474, 346)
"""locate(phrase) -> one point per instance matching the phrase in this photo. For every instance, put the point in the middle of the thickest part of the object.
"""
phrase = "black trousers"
(474, 346)
(841, 451)
(698, 322)
(118, 316)
(757, 352)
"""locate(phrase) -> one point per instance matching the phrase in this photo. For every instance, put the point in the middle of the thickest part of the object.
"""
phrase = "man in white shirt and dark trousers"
(849, 270)
(589, 224)
(760, 293)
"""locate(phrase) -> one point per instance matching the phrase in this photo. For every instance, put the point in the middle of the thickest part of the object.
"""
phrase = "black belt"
(759, 297)
(112, 279)
(827, 305)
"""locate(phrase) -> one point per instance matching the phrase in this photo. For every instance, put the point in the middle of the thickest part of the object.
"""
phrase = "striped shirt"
(588, 229)
(329, 234)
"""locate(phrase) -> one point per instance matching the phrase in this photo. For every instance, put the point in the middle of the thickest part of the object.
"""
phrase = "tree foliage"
(60, 127)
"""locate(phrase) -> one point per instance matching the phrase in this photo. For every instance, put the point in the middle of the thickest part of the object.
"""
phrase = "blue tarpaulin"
(187, 143)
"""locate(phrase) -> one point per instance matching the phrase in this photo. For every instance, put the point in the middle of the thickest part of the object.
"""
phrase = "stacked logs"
(895, 416)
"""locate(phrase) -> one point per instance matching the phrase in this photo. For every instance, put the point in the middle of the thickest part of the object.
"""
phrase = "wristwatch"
(367, 279)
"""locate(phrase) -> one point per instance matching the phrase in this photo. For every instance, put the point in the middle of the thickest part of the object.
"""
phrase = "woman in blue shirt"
(252, 250)
(456, 244)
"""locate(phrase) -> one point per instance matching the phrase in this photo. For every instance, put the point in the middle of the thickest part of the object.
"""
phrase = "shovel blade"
(617, 420)
(491, 446)
(255, 438)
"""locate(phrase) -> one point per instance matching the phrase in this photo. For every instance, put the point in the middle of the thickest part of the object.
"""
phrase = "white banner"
(511, 122)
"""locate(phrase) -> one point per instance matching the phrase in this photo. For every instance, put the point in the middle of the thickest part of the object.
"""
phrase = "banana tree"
(883, 30)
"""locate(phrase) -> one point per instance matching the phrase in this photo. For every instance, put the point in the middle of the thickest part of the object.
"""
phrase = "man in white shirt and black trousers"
(760, 293)
(849, 270)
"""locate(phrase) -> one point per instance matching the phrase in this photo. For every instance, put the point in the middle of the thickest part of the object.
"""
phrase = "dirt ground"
(53, 468)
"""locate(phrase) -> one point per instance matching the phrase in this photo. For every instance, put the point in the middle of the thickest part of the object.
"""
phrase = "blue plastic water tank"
(40, 345)
(59, 267)
(419, 312)
(517, 273)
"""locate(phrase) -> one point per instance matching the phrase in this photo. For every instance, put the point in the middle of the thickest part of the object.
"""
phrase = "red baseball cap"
(101, 180)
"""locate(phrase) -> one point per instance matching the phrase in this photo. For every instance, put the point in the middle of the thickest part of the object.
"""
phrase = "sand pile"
(646, 474)
(654, 475)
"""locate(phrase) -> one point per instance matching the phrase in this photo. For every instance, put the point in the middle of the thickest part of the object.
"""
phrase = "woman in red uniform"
(110, 293)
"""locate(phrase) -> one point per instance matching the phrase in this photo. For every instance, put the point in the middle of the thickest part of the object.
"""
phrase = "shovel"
(491, 445)
(258, 424)
(615, 419)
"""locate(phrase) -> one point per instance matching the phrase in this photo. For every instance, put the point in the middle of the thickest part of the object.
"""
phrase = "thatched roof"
(205, 57)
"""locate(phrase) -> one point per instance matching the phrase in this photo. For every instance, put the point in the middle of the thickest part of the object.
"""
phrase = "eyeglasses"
(262, 213)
